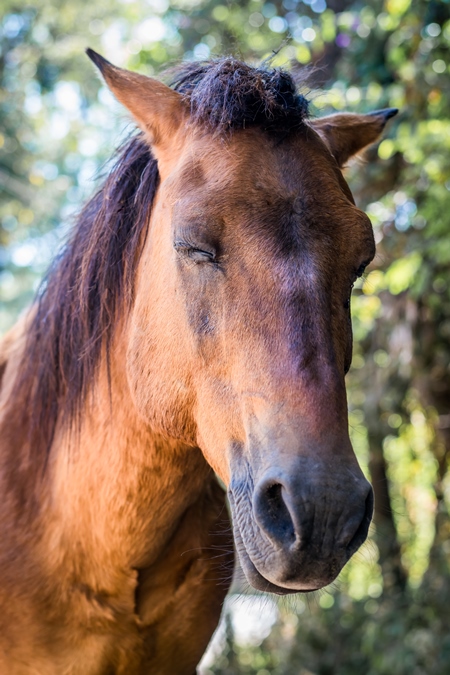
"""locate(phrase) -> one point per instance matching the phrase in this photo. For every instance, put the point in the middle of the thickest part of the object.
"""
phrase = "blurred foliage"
(390, 610)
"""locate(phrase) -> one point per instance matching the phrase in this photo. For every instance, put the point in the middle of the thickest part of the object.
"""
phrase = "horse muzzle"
(295, 527)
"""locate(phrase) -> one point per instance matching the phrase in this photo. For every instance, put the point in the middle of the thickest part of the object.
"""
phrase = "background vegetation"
(389, 613)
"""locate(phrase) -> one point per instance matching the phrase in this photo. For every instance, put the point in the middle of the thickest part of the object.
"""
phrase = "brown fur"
(194, 322)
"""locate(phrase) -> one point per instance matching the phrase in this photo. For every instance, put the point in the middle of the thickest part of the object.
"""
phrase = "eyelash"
(194, 253)
(359, 272)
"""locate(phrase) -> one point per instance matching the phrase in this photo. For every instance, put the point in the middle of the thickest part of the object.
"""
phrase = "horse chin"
(261, 583)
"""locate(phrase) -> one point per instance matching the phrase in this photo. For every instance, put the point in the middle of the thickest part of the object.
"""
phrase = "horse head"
(239, 338)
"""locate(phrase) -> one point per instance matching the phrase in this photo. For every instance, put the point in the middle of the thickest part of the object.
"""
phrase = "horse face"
(267, 243)
(240, 335)
(252, 253)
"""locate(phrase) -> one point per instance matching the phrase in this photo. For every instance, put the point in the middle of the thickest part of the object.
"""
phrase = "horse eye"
(360, 270)
(197, 255)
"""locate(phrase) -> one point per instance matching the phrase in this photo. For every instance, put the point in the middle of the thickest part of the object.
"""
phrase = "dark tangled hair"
(228, 94)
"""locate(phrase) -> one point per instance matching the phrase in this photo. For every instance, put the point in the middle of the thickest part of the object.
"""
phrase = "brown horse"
(198, 321)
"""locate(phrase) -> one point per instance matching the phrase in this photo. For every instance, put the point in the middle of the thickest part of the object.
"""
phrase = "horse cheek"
(159, 382)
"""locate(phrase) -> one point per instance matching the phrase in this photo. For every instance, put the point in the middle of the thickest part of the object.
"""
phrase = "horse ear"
(346, 134)
(156, 108)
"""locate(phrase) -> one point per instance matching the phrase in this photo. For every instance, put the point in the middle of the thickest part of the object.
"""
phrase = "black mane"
(92, 280)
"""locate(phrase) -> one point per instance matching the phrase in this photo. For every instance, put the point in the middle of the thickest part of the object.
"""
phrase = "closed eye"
(194, 253)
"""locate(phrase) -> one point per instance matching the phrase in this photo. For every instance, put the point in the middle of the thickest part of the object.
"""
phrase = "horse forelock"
(92, 280)
(229, 94)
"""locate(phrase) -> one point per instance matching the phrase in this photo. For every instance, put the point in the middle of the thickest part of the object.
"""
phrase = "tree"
(390, 610)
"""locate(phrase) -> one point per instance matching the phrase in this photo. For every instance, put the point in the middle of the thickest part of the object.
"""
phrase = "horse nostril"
(272, 513)
(274, 498)
(361, 533)
(293, 524)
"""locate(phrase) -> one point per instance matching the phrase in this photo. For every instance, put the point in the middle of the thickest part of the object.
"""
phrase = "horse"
(195, 325)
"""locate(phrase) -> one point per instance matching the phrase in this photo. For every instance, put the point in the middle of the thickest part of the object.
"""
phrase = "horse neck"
(112, 486)
(121, 471)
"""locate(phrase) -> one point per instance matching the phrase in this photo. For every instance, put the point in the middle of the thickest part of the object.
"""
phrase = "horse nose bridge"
(291, 381)
(296, 424)
(285, 354)
(297, 335)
